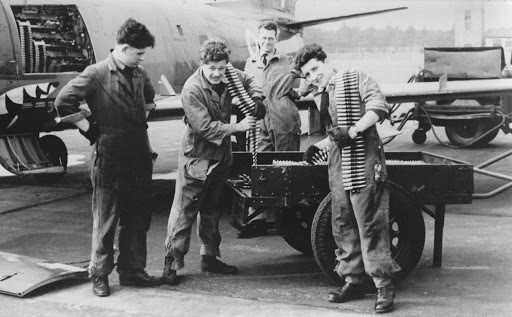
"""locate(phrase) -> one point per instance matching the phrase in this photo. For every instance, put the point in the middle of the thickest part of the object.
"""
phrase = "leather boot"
(385, 297)
(347, 293)
(100, 286)
(138, 278)
(169, 276)
(210, 264)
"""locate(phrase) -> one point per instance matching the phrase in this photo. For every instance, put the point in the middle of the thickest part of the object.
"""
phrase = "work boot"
(138, 278)
(169, 275)
(347, 293)
(385, 297)
(210, 264)
(100, 285)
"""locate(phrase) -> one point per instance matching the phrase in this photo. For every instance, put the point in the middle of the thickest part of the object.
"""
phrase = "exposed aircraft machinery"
(246, 105)
(53, 39)
(31, 103)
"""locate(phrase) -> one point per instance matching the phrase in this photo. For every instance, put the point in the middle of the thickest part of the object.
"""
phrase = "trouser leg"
(210, 212)
(183, 213)
(105, 205)
(135, 220)
(371, 207)
(346, 235)
(286, 141)
(266, 142)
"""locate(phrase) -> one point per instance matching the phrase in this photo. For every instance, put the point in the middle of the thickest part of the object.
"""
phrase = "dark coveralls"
(203, 166)
(121, 165)
(360, 222)
(280, 129)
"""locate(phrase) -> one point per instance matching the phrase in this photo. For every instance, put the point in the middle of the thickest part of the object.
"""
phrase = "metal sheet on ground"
(20, 275)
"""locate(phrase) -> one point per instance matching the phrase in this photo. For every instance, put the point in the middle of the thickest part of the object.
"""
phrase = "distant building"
(474, 25)
(500, 37)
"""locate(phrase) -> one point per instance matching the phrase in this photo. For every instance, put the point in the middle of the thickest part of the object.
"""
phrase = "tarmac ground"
(52, 221)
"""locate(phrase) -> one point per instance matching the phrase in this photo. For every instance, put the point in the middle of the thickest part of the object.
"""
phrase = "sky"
(431, 14)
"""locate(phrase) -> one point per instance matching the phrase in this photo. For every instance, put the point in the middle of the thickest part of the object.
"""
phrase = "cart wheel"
(56, 152)
(464, 132)
(296, 229)
(406, 231)
(419, 136)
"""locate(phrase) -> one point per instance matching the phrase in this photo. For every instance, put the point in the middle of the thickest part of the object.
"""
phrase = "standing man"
(204, 160)
(280, 129)
(360, 196)
(119, 95)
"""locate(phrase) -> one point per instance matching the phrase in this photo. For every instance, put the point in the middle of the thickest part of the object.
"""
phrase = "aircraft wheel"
(465, 132)
(56, 152)
(419, 136)
(406, 233)
(296, 229)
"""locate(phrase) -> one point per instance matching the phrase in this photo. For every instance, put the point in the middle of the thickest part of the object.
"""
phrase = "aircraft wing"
(460, 89)
(313, 22)
(167, 108)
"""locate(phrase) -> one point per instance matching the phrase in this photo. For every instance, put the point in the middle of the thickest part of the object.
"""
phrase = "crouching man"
(357, 176)
(204, 160)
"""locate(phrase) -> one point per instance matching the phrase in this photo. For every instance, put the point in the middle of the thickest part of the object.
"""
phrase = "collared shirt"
(372, 99)
(277, 79)
(208, 116)
(114, 104)
(126, 71)
(265, 57)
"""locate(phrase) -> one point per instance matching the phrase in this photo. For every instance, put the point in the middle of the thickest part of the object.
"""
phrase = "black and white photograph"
(268, 158)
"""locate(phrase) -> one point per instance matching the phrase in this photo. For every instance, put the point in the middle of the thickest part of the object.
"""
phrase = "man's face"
(214, 71)
(132, 56)
(267, 40)
(316, 72)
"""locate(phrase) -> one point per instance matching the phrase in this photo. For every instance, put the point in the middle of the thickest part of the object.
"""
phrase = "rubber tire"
(407, 234)
(464, 132)
(296, 230)
(419, 136)
(55, 150)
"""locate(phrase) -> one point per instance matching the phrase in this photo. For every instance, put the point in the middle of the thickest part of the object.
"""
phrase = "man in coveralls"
(119, 94)
(204, 160)
(359, 218)
(274, 72)
(280, 129)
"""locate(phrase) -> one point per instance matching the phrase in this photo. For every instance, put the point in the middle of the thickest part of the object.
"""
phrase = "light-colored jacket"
(276, 80)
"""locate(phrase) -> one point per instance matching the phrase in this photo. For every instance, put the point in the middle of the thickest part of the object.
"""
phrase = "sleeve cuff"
(381, 113)
(149, 106)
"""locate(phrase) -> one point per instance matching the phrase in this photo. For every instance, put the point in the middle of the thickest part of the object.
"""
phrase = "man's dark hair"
(270, 25)
(135, 34)
(214, 50)
(307, 53)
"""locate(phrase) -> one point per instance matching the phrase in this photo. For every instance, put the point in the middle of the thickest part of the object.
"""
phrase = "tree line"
(354, 39)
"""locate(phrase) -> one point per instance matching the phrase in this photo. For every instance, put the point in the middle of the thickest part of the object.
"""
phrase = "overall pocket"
(197, 168)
